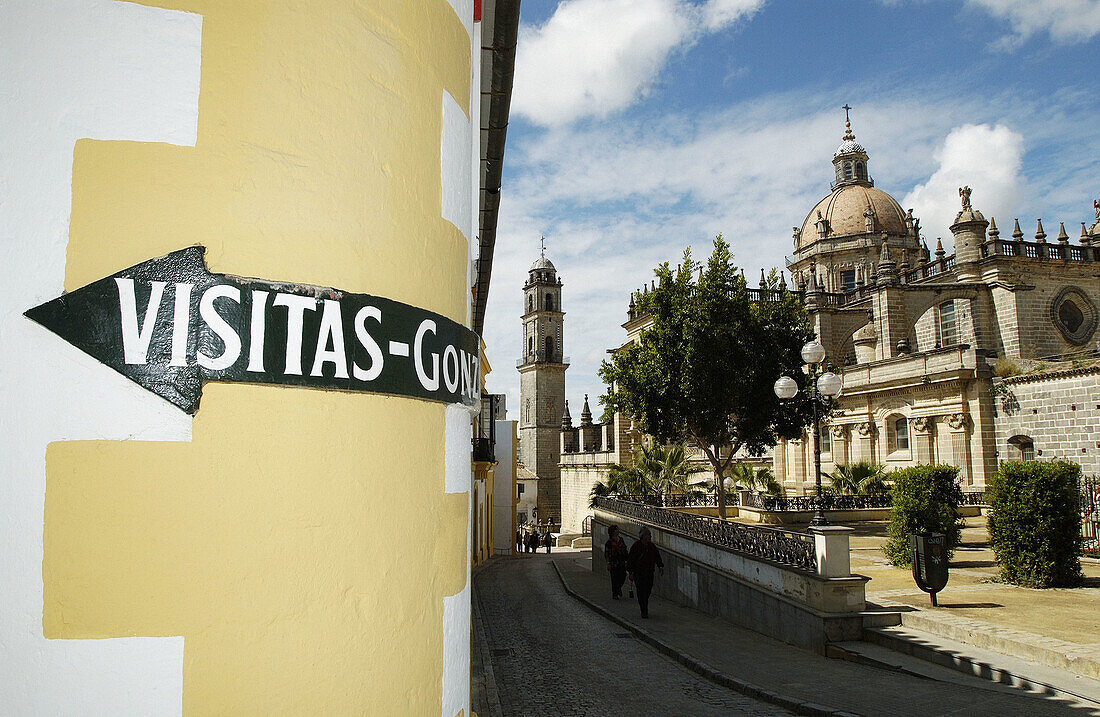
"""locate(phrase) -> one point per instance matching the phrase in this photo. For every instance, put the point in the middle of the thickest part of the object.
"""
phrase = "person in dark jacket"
(614, 553)
(641, 561)
(547, 541)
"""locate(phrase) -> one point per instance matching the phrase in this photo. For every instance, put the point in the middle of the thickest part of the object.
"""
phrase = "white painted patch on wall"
(465, 11)
(72, 69)
(688, 583)
(456, 652)
(456, 174)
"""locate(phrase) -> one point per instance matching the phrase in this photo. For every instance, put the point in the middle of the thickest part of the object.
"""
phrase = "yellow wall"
(302, 543)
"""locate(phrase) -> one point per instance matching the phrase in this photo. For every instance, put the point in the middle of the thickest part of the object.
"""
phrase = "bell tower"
(542, 384)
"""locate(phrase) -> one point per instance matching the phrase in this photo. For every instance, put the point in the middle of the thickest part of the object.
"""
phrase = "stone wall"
(1058, 411)
(797, 607)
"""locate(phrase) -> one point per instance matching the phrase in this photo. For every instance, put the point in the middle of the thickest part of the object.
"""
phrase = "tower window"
(847, 170)
(530, 344)
(530, 303)
(549, 348)
(549, 302)
(861, 170)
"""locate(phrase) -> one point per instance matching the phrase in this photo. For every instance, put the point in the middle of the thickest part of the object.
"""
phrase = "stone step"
(904, 649)
(581, 543)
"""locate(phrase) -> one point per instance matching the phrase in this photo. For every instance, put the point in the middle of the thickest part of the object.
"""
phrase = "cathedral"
(971, 358)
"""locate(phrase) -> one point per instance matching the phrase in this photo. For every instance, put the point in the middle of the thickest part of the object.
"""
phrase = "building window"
(519, 488)
(826, 440)
(549, 302)
(1021, 448)
(900, 434)
(530, 344)
(530, 303)
(949, 327)
(847, 170)
(861, 170)
(848, 279)
(549, 348)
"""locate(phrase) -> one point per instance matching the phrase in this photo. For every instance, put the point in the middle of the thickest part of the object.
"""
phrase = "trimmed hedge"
(925, 500)
(1035, 523)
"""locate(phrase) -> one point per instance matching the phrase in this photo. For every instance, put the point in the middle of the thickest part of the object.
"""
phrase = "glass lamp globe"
(829, 384)
(786, 387)
(813, 352)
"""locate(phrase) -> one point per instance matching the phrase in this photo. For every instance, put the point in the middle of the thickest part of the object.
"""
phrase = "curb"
(492, 695)
(797, 706)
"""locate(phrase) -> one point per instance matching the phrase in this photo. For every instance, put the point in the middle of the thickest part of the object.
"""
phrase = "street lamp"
(824, 387)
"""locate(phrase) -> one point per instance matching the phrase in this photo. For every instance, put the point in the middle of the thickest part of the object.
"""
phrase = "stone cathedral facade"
(926, 341)
(542, 385)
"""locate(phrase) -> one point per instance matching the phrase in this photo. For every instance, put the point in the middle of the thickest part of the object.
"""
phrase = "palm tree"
(762, 481)
(859, 478)
(654, 472)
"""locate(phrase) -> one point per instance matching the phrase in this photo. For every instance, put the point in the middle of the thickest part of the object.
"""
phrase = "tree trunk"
(718, 478)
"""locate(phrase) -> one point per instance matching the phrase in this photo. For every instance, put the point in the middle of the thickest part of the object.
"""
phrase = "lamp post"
(823, 387)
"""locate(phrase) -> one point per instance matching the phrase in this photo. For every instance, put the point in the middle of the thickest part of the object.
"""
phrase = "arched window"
(897, 434)
(549, 348)
(861, 170)
(530, 303)
(549, 302)
(530, 344)
(1021, 448)
(899, 430)
(847, 170)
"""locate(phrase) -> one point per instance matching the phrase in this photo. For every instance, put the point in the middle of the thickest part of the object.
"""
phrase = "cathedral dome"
(853, 209)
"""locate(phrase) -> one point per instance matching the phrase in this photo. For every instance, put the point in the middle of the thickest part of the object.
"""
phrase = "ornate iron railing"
(974, 497)
(795, 550)
(695, 500)
(1090, 513)
(835, 502)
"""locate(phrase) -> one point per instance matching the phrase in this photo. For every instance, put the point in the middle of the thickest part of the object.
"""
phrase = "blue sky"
(640, 127)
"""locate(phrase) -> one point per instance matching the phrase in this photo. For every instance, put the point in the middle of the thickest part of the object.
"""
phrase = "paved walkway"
(803, 682)
(548, 654)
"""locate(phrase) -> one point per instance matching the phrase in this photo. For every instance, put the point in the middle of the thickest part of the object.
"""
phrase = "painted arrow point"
(170, 325)
(89, 318)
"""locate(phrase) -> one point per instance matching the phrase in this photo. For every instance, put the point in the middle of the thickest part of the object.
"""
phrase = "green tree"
(703, 372)
(1035, 523)
(925, 499)
(859, 478)
(654, 472)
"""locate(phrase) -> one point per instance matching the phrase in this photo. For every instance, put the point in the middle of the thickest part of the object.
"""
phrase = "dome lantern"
(850, 159)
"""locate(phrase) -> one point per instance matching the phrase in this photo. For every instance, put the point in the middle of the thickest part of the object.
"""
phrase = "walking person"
(614, 553)
(519, 540)
(641, 561)
(548, 541)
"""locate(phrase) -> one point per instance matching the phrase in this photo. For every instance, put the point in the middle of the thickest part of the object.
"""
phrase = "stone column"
(797, 461)
(923, 439)
(959, 424)
(865, 440)
(779, 461)
(840, 445)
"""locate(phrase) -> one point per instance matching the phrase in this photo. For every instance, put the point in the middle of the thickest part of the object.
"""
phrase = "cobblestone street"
(553, 656)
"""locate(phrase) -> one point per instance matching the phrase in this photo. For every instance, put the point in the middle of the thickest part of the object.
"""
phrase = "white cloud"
(986, 158)
(1066, 21)
(595, 57)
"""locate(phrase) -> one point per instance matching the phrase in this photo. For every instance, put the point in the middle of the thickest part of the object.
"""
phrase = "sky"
(641, 127)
